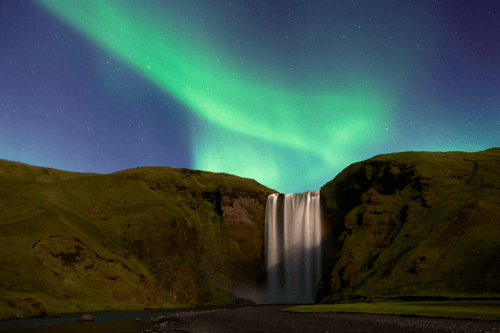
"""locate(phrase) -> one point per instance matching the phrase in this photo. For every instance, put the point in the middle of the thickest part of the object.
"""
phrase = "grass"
(479, 310)
(415, 223)
(88, 242)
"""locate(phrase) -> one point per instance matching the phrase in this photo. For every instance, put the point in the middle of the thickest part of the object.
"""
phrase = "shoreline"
(259, 318)
(462, 309)
(270, 319)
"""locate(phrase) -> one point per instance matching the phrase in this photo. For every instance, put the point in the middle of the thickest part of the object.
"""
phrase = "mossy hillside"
(88, 242)
(414, 223)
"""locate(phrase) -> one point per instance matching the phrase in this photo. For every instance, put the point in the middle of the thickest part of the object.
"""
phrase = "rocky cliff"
(151, 237)
(413, 223)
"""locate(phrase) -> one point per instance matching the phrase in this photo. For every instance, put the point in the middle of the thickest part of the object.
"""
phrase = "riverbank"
(103, 322)
(271, 319)
(463, 309)
(260, 318)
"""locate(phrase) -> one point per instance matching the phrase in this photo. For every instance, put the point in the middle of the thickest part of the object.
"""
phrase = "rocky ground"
(269, 319)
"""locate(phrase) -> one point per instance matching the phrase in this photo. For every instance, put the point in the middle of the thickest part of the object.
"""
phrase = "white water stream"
(293, 247)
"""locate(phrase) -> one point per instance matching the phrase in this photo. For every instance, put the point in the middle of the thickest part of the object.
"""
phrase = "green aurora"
(254, 123)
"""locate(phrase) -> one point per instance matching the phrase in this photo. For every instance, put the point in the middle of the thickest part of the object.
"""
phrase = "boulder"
(33, 307)
(86, 317)
(238, 302)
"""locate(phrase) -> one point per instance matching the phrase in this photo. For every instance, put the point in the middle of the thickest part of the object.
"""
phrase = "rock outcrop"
(413, 223)
(33, 307)
(145, 238)
(183, 288)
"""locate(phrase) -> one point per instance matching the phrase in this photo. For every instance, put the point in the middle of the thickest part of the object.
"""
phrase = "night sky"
(287, 92)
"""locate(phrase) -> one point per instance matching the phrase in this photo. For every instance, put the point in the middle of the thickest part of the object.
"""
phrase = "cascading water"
(293, 247)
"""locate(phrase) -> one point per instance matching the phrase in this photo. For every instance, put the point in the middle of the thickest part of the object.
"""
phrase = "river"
(104, 322)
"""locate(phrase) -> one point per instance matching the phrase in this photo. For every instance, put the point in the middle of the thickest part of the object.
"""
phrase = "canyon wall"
(424, 224)
(144, 238)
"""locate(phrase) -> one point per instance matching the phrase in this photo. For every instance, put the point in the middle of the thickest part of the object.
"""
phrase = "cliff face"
(152, 237)
(414, 223)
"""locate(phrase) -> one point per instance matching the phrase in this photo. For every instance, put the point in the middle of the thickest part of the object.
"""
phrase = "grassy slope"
(481, 310)
(88, 242)
(415, 223)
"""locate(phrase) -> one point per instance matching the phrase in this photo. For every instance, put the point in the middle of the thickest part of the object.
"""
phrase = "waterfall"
(293, 247)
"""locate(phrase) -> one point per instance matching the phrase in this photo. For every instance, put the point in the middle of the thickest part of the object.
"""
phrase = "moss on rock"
(414, 223)
(151, 237)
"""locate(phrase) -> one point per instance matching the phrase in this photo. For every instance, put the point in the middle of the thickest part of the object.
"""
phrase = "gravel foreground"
(269, 319)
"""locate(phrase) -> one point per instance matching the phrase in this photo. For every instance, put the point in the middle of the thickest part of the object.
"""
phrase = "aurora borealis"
(286, 92)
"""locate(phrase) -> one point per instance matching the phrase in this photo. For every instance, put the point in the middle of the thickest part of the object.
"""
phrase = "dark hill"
(151, 237)
(418, 224)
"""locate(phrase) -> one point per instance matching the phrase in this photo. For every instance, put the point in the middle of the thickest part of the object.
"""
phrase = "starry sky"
(287, 92)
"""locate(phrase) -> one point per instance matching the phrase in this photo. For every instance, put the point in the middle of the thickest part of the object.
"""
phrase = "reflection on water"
(105, 322)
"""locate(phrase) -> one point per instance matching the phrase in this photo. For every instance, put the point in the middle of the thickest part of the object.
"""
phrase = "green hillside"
(406, 225)
(418, 224)
(151, 237)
